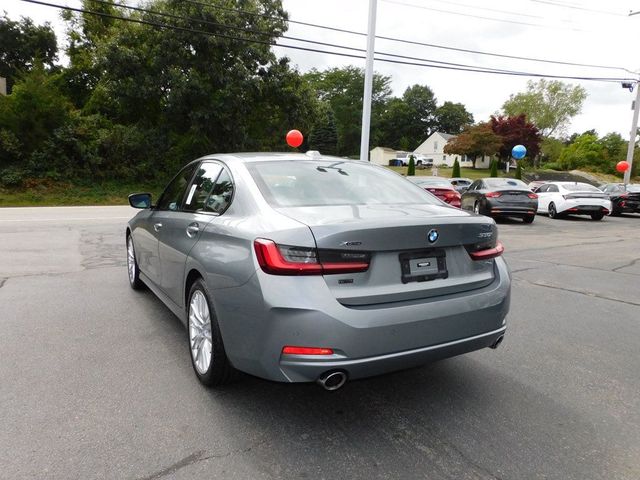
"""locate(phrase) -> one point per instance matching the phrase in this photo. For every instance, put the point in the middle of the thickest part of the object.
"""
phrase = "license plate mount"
(423, 265)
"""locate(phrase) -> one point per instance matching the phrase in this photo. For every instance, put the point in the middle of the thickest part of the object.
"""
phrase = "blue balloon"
(518, 152)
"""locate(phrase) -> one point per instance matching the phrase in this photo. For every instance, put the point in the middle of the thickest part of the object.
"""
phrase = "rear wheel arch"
(193, 275)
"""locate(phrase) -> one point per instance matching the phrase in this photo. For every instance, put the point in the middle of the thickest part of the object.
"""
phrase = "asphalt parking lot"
(96, 381)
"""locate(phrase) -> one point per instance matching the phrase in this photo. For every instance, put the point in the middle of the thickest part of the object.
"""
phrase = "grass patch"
(49, 194)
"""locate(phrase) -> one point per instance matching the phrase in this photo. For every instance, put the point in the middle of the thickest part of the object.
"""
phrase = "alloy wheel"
(476, 208)
(200, 338)
(131, 260)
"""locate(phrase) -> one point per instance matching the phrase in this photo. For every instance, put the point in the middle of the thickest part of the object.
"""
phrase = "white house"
(432, 149)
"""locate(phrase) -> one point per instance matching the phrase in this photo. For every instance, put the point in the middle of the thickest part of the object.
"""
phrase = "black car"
(623, 199)
(501, 197)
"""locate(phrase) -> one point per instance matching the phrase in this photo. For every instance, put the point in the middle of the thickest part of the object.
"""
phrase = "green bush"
(411, 169)
(494, 168)
(455, 172)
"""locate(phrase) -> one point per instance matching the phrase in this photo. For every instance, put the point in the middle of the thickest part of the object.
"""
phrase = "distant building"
(432, 149)
(382, 155)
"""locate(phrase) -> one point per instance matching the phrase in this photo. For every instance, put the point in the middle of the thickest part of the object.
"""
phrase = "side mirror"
(140, 200)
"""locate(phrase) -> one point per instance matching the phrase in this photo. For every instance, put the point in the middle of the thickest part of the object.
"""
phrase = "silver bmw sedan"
(301, 267)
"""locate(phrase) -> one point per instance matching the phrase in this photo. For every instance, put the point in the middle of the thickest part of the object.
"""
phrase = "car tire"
(528, 218)
(132, 266)
(553, 213)
(476, 208)
(597, 216)
(206, 348)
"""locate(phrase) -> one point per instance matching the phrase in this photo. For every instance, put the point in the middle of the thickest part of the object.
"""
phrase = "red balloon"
(622, 166)
(294, 138)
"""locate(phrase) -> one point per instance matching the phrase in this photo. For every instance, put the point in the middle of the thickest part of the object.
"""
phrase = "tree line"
(136, 101)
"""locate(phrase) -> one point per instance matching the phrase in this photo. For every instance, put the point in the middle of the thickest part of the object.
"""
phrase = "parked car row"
(507, 197)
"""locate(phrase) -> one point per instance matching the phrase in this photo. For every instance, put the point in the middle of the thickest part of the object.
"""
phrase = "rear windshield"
(504, 183)
(301, 183)
(435, 182)
(580, 187)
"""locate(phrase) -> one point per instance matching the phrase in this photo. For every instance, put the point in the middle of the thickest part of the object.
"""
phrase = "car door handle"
(193, 229)
(157, 226)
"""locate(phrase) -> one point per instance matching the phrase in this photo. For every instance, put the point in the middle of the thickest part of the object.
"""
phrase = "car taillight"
(452, 194)
(532, 195)
(290, 260)
(492, 194)
(487, 253)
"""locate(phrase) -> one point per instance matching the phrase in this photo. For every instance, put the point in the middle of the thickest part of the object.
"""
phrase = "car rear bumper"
(270, 312)
(298, 368)
(520, 209)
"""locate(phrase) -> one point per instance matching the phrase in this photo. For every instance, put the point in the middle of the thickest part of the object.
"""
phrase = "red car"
(440, 187)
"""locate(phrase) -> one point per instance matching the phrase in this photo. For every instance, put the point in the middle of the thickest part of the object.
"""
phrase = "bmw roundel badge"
(432, 236)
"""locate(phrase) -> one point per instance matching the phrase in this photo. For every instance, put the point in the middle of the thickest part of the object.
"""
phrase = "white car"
(562, 198)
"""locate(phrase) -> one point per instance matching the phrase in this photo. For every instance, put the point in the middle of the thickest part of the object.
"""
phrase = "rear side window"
(221, 194)
(299, 183)
(171, 198)
(201, 187)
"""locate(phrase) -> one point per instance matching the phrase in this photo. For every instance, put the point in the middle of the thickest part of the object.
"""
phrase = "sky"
(592, 32)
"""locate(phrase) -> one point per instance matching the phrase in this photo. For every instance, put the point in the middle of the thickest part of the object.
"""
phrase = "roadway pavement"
(96, 382)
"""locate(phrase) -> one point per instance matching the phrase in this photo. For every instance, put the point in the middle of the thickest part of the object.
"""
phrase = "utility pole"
(3, 86)
(368, 83)
(632, 138)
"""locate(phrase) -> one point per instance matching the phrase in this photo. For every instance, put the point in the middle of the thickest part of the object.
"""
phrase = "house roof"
(446, 136)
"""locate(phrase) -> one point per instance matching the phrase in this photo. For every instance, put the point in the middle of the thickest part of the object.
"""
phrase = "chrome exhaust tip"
(332, 380)
(497, 342)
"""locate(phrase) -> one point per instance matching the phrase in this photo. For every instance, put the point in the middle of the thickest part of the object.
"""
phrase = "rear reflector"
(488, 253)
(288, 260)
(306, 351)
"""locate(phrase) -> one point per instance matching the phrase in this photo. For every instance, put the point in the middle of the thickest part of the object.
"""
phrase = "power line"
(574, 7)
(413, 42)
(469, 15)
(487, 9)
(298, 39)
(270, 43)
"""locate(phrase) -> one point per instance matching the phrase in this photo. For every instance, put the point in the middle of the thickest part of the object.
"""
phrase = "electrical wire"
(469, 15)
(413, 42)
(295, 47)
(574, 7)
(287, 37)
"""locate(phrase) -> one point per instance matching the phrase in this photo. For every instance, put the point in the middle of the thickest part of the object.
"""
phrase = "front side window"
(299, 183)
(201, 187)
(171, 198)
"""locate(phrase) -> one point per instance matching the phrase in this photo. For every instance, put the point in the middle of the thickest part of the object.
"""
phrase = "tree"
(515, 131)
(518, 173)
(409, 120)
(455, 172)
(324, 136)
(411, 169)
(475, 141)
(614, 147)
(494, 168)
(452, 118)
(550, 149)
(23, 45)
(35, 109)
(201, 92)
(585, 152)
(549, 104)
(342, 88)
